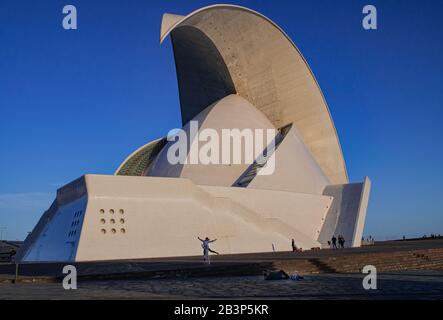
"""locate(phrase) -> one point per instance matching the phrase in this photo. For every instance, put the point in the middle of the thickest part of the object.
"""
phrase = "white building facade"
(236, 70)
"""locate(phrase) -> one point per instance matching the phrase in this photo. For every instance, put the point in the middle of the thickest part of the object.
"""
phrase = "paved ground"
(134, 266)
(405, 285)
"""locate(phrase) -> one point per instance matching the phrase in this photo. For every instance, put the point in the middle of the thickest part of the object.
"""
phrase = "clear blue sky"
(76, 102)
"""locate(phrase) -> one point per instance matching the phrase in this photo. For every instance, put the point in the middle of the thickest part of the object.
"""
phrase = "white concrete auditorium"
(236, 69)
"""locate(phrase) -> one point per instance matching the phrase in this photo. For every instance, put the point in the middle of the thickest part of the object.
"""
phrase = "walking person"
(342, 242)
(334, 242)
(294, 247)
(206, 249)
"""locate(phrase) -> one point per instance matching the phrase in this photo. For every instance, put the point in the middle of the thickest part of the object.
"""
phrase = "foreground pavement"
(391, 256)
(403, 285)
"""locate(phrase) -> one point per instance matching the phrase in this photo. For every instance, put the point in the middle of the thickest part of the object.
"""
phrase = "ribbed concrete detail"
(139, 162)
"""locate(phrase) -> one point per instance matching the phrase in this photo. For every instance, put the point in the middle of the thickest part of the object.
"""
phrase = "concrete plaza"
(402, 285)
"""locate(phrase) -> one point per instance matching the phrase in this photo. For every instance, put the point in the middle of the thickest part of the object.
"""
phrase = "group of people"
(370, 241)
(268, 275)
(432, 236)
(334, 241)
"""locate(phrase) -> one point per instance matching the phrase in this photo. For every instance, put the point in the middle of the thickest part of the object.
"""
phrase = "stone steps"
(430, 259)
(346, 261)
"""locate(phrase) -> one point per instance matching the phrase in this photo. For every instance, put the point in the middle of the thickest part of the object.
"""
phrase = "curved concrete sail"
(225, 49)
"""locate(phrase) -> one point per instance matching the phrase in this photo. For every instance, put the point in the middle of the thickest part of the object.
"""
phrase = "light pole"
(1, 232)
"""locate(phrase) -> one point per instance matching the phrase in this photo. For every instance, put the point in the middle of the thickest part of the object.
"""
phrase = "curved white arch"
(315, 124)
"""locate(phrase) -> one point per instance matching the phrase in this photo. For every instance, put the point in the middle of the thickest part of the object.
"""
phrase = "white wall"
(55, 242)
(347, 213)
(296, 170)
(164, 216)
(303, 212)
(232, 112)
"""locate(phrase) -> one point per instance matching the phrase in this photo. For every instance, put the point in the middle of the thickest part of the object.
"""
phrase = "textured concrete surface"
(418, 285)
(386, 256)
(251, 56)
(139, 162)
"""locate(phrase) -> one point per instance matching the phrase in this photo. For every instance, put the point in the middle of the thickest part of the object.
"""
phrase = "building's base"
(116, 217)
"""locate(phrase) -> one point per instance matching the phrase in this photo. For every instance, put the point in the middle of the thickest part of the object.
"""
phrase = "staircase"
(427, 259)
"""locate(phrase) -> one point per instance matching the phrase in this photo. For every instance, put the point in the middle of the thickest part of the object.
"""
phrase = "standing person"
(342, 242)
(12, 255)
(294, 247)
(206, 249)
(334, 242)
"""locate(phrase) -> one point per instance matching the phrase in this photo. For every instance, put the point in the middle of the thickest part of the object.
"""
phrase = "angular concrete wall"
(163, 217)
(122, 217)
(303, 212)
(347, 213)
(296, 170)
(58, 240)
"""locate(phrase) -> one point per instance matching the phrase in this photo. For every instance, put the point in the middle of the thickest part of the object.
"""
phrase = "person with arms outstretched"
(206, 249)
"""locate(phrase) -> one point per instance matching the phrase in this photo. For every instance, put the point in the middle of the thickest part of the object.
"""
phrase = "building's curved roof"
(139, 161)
(225, 49)
(231, 112)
